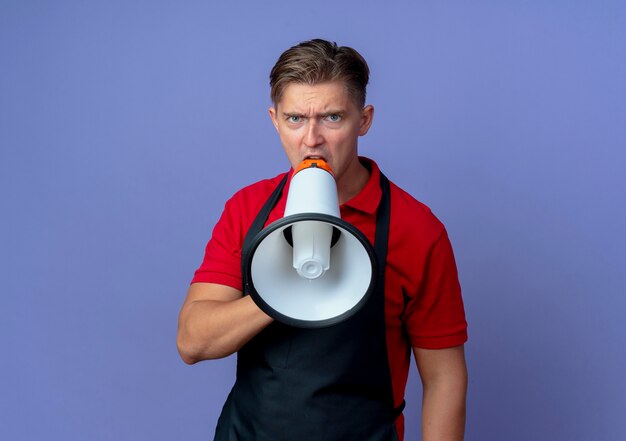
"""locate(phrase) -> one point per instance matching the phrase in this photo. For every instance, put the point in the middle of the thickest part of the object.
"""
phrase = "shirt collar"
(369, 197)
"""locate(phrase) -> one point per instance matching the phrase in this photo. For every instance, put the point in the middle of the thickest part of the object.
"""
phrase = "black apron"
(321, 384)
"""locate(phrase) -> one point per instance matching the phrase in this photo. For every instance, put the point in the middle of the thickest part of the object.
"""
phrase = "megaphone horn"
(310, 269)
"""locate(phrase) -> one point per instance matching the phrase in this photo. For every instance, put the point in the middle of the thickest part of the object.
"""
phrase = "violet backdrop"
(125, 126)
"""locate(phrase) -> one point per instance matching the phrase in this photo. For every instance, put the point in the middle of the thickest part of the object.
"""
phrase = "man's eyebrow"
(319, 115)
(332, 112)
(288, 114)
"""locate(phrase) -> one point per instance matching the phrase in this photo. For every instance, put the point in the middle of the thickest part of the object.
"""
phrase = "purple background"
(124, 127)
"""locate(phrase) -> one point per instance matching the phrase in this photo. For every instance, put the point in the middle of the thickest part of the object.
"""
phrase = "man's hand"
(216, 321)
(444, 379)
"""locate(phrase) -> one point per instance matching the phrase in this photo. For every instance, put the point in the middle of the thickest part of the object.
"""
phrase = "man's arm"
(444, 380)
(215, 321)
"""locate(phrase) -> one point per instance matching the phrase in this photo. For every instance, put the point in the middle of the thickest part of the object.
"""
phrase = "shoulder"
(252, 197)
(243, 207)
(412, 218)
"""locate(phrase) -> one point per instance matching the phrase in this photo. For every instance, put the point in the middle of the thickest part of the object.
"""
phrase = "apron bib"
(321, 384)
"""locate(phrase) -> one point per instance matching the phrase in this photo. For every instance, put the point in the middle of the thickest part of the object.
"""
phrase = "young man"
(346, 381)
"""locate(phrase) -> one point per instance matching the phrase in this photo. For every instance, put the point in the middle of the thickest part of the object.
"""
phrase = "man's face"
(321, 121)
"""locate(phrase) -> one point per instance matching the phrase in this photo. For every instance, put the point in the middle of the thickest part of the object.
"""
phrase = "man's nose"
(313, 136)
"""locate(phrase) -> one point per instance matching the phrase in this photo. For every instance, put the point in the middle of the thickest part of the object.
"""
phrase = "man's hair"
(319, 61)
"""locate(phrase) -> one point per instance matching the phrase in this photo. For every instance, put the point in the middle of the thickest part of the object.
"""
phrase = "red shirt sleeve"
(435, 317)
(222, 257)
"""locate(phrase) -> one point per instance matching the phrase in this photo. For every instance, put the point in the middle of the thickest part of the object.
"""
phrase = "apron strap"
(258, 224)
(382, 227)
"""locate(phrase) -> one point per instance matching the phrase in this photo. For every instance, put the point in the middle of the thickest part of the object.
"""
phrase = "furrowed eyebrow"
(319, 115)
(338, 113)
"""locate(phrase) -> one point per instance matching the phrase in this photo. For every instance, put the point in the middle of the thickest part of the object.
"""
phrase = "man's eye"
(334, 118)
(294, 119)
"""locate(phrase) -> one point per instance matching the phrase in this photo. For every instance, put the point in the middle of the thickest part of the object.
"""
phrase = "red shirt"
(423, 304)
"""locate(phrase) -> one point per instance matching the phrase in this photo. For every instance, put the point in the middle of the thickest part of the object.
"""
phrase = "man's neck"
(353, 182)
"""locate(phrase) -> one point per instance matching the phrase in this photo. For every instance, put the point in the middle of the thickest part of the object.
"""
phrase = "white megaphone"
(310, 268)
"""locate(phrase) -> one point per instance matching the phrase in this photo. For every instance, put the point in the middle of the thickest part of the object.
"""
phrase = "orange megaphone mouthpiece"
(317, 163)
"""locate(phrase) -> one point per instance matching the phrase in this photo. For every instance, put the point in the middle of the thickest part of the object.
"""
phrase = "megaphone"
(310, 269)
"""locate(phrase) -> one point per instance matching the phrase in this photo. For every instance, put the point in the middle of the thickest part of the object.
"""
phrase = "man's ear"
(274, 116)
(367, 116)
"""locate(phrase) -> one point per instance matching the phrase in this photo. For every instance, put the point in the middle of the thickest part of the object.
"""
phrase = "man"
(347, 381)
